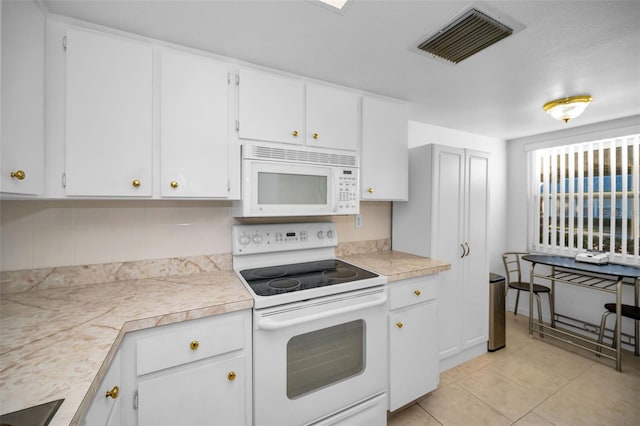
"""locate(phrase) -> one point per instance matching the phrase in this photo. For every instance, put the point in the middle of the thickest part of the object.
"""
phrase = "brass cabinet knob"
(417, 292)
(294, 133)
(174, 184)
(18, 175)
(136, 183)
(370, 190)
(113, 393)
(231, 376)
(194, 345)
(315, 136)
(399, 324)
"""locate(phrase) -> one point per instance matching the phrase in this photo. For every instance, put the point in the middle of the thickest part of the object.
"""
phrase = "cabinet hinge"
(64, 180)
(228, 186)
(237, 79)
(237, 126)
(228, 78)
(135, 400)
(64, 42)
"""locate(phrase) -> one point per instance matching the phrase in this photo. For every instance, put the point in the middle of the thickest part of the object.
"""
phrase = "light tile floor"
(531, 382)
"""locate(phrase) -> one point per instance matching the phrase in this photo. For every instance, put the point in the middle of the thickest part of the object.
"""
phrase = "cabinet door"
(22, 127)
(109, 116)
(105, 410)
(384, 150)
(475, 283)
(332, 118)
(413, 357)
(193, 126)
(211, 393)
(447, 231)
(270, 107)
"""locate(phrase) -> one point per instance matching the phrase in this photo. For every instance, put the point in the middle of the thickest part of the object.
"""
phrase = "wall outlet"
(358, 221)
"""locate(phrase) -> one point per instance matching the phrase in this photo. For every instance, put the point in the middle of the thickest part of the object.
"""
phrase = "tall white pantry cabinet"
(446, 219)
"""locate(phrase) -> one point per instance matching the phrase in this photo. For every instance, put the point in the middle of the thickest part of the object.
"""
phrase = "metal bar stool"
(511, 262)
(628, 311)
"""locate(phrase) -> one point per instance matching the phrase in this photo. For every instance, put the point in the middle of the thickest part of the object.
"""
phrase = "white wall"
(422, 134)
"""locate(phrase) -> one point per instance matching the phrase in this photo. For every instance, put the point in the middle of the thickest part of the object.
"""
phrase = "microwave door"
(285, 190)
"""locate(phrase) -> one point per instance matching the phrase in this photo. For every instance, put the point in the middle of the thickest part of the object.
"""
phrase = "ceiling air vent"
(465, 36)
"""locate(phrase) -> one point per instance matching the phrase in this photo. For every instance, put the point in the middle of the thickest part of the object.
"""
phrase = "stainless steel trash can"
(497, 323)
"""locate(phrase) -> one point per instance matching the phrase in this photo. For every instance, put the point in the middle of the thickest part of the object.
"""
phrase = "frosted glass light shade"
(567, 108)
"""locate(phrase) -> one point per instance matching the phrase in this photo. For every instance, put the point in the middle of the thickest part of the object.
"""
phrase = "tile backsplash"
(42, 234)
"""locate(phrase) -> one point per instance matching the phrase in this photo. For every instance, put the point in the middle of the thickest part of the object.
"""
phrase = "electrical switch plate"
(358, 221)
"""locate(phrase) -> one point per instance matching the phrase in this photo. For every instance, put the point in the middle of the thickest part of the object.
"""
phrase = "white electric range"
(319, 327)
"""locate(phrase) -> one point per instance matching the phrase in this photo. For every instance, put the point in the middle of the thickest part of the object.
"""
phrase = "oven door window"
(323, 357)
(287, 189)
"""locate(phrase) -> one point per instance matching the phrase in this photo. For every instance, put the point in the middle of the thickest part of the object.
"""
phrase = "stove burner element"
(341, 274)
(284, 284)
(270, 272)
(326, 264)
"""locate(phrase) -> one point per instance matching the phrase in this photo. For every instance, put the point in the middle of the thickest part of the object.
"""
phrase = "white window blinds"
(586, 196)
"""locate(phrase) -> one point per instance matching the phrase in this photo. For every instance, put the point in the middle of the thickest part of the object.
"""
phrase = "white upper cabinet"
(109, 115)
(333, 117)
(270, 107)
(22, 89)
(275, 108)
(385, 150)
(193, 126)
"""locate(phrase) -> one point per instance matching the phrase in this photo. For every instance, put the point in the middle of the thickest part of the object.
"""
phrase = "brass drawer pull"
(194, 345)
(231, 376)
(113, 393)
(399, 324)
(18, 175)
(417, 292)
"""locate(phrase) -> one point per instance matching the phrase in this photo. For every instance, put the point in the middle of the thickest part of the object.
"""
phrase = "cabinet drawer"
(414, 290)
(189, 341)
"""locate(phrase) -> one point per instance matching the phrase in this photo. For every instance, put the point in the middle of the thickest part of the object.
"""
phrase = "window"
(586, 196)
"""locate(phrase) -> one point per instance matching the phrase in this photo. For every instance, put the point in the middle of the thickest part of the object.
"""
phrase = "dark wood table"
(607, 278)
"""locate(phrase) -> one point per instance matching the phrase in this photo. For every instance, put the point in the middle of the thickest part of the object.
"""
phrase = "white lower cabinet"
(209, 393)
(196, 372)
(413, 340)
(105, 407)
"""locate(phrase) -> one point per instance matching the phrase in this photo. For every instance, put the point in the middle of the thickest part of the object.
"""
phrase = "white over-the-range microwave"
(297, 181)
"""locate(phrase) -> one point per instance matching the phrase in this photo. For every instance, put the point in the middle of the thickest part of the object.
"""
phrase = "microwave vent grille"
(298, 156)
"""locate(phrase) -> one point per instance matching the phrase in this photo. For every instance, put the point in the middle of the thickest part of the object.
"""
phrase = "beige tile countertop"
(58, 336)
(397, 265)
(56, 342)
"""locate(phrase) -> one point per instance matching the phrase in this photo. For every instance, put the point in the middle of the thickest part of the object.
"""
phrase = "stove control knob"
(257, 239)
(330, 234)
(320, 235)
(244, 240)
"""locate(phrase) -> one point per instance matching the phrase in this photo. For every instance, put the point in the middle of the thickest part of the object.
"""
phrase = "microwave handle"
(272, 324)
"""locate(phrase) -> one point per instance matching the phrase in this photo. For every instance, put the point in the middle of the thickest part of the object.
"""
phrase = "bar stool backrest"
(511, 260)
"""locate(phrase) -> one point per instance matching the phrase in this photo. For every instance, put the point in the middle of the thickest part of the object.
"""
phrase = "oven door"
(315, 358)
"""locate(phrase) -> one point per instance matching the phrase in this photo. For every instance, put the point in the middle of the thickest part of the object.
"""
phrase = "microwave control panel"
(348, 201)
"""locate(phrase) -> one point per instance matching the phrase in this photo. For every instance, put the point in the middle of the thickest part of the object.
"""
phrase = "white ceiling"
(566, 48)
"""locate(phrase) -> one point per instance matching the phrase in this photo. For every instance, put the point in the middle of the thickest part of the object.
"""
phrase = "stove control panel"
(252, 239)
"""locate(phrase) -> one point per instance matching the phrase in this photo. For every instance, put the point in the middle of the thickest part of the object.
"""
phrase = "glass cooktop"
(272, 280)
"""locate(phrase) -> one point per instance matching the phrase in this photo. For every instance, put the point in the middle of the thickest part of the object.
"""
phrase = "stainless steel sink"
(38, 415)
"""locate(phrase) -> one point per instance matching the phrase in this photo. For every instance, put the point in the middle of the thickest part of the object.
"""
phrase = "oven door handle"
(271, 324)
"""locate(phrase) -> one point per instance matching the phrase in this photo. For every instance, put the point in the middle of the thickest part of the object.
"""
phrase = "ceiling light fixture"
(566, 109)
